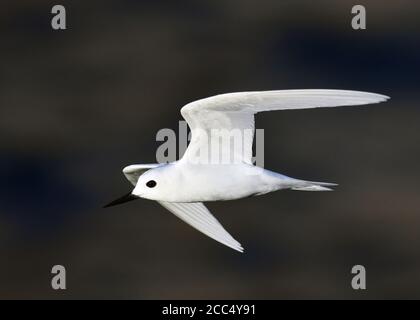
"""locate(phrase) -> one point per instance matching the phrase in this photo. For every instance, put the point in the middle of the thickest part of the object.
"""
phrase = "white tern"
(214, 170)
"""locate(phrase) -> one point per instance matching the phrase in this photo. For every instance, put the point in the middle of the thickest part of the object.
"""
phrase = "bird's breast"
(213, 183)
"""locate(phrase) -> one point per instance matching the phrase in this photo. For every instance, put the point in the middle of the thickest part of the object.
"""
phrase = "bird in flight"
(215, 169)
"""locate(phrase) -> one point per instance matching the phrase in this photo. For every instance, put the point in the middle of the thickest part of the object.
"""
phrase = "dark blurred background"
(78, 105)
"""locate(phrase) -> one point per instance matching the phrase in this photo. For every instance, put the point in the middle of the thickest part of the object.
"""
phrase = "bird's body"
(202, 183)
(211, 170)
(185, 182)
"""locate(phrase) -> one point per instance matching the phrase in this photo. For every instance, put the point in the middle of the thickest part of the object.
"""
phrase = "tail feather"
(302, 185)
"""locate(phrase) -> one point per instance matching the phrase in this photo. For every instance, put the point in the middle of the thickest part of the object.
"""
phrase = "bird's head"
(151, 184)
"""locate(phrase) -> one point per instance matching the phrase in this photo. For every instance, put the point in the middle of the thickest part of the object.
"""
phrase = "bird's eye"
(151, 183)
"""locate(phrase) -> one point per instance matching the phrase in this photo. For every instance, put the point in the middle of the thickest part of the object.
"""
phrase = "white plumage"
(203, 174)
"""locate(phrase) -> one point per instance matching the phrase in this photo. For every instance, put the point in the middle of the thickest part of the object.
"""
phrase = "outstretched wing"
(200, 218)
(231, 113)
(133, 172)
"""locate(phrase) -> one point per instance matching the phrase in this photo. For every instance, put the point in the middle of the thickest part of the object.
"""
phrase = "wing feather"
(236, 111)
(200, 218)
(134, 171)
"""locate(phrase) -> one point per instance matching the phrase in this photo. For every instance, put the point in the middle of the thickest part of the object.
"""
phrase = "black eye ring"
(151, 183)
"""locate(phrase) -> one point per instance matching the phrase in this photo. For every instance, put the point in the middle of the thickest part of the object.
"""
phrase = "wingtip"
(238, 248)
(235, 246)
(370, 97)
(384, 98)
(379, 97)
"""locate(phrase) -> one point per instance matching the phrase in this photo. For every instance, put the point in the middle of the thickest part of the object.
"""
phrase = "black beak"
(123, 199)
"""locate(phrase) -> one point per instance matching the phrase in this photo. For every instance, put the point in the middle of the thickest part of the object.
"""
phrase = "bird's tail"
(302, 185)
